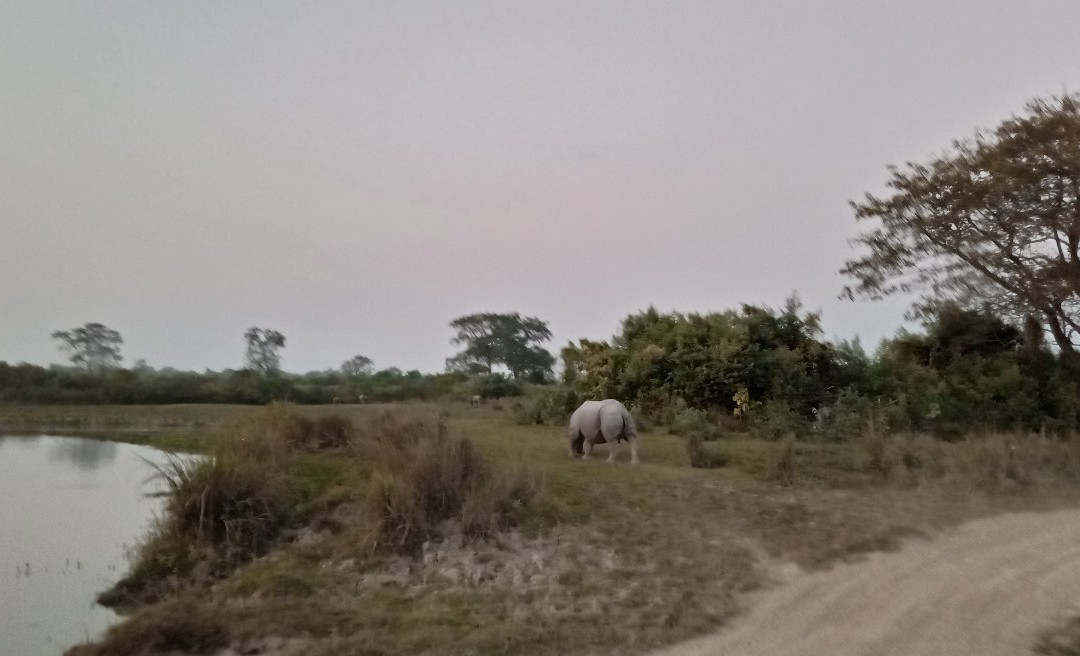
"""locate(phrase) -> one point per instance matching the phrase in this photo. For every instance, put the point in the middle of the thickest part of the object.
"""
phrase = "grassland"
(609, 559)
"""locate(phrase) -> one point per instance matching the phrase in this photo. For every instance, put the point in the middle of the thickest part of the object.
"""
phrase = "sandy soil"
(988, 587)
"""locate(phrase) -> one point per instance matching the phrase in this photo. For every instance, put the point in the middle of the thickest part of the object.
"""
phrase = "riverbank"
(610, 559)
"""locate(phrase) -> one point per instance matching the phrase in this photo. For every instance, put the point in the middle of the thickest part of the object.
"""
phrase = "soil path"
(988, 587)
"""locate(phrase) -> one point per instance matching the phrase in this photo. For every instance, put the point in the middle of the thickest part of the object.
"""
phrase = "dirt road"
(989, 587)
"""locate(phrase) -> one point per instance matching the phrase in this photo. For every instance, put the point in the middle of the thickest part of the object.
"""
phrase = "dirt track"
(989, 587)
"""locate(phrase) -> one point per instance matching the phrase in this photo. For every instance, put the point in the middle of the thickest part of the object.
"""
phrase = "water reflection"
(70, 508)
(86, 454)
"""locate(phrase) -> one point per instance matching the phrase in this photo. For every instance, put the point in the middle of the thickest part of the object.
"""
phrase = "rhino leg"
(613, 446)
(586, 448)
(577, 445)
(633, 450)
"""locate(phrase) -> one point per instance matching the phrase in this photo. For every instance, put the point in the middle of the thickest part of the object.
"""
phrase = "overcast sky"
(357, 174)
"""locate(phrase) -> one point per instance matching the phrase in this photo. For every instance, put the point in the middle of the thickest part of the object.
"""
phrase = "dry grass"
(609, 558)
(229, 508)
(180, 626)
(418, 477)
(699, 456)
(993, 462)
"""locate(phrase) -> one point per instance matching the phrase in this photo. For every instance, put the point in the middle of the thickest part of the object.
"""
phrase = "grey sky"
(355, 175)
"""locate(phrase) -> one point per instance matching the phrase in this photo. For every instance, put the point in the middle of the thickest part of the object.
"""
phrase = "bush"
(497, 386)
(776, 420)
(550, 406)
(846, 418)
(689, 421)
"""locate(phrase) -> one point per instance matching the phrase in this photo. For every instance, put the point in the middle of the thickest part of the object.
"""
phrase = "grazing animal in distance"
(602, 422)
(336, 399)
(475, 401)
(361, 399)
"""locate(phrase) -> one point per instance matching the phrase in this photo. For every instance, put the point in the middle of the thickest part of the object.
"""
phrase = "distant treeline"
(27, 383)
(769, 370)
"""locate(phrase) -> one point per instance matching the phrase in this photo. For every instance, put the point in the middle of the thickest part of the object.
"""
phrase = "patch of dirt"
(991, 586)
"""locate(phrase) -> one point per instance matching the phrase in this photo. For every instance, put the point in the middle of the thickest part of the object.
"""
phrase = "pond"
(70, 510)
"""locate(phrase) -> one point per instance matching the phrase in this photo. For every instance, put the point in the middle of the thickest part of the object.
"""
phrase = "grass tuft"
(700, 457)
(783, 464)
(422, 477)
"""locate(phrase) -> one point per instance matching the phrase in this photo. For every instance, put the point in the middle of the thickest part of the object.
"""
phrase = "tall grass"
(225, 509)
(411, 480)
(420, 478)
(993, 461)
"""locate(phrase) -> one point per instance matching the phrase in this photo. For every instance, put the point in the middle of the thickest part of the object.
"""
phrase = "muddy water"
(70, 508)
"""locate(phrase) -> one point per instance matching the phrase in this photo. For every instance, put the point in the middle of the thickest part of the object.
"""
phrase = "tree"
(93, 346)
(358, 366)
(994, 222)
(263, 349)
(509, 340)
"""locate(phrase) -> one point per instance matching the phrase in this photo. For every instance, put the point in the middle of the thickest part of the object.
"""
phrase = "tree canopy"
(705, 359)
(510, 340)
(357, 366)
(264, 349)
(993, 222)
(93, 346)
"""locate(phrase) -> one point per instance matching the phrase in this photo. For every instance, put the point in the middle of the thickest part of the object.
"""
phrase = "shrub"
(550, 406)
(778, 419)
(689, 421)
(846, 418)
(497, 386)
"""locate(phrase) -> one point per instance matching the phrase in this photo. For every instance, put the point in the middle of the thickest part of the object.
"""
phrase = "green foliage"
(846, 418)
(693, 422)
(771, 371)
(706, 359)
(509, 340)
(32, 384)
(552, 406)
(497, 386)
(777, 420)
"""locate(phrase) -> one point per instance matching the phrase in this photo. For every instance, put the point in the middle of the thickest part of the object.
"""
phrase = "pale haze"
(356, 175)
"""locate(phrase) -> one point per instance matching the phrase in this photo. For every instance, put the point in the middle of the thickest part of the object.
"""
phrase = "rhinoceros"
(600, 422)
